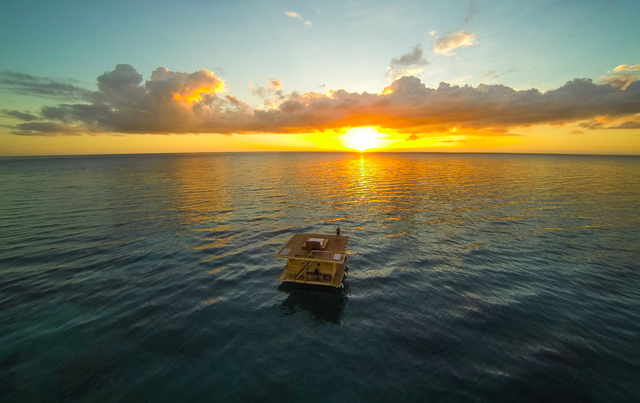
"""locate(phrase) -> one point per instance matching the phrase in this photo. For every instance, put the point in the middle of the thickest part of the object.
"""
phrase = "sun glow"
(197, 94)
(364, 138)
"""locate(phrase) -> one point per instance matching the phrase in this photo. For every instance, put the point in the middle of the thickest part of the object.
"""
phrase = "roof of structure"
(315, 247)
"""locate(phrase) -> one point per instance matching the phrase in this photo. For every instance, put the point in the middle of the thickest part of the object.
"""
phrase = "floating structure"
(314, 259)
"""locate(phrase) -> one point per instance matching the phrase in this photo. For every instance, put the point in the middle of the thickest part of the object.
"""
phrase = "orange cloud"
(178, 102)
(275, 84)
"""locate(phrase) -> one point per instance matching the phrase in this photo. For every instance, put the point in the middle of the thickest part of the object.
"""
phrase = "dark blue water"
(473, 278)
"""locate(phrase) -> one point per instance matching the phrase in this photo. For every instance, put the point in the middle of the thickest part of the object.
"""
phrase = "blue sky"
(349, 45)
(345, 44)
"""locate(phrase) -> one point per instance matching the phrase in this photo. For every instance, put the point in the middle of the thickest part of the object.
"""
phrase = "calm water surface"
(473, 278)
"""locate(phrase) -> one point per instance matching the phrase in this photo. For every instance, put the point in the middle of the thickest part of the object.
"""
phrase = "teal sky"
(349, 44)
(315, 47)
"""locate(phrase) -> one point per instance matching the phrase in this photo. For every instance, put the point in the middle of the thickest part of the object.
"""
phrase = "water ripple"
(472, 278)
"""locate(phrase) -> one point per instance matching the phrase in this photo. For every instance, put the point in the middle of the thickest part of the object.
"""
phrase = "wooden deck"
(333, 251)
(314, 259)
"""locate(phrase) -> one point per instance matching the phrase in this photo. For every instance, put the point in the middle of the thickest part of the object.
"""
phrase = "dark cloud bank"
(177, 102)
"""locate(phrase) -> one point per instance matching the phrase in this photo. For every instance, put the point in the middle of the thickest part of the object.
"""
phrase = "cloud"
(27, 117)
(272, 94)
(179, 102)
(273, 83)
(628, 125)
(592, 125)
(449, 41)
(472, 10)
(293, 14)
(495, 74)
(624, 67)
(433, 33)
(622, 76)
(45, 129)
(26, 84)
(576, 132)
(410, 63)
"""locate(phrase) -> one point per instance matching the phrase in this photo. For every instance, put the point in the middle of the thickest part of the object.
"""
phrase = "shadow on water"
(325, 304)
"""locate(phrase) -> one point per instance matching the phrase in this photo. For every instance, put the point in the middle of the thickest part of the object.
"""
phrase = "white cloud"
(294, 14)
(449, 41)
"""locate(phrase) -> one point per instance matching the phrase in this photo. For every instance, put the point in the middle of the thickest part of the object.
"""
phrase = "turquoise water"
(472, 278)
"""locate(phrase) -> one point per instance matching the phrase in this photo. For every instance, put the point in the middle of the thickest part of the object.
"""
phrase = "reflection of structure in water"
(323, 303)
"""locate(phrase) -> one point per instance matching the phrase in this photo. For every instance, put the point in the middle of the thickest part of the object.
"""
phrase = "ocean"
(472, 278)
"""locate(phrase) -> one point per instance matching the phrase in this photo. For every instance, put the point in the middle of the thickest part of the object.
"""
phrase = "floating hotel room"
(314, 259)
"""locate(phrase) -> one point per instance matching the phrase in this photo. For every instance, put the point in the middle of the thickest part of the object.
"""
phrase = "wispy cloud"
(592, 124)
(272, 94)
(624, 67)
(410, 63)
(622, 76)
(26, 84)
(294, 14)
(446, 43)
(498, 74)
(24, 116)
(179, 102)
(628, 125)
(47, 129)
(472, 10)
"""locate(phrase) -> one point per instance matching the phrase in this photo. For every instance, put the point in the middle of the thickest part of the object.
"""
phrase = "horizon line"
(321, 152)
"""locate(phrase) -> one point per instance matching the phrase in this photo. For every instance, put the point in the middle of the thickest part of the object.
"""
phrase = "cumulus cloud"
(449, 41)
(622, 76)
(411, 63)
(293, 14)
(178, 102)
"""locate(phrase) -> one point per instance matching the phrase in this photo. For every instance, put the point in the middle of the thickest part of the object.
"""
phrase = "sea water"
(472, 278)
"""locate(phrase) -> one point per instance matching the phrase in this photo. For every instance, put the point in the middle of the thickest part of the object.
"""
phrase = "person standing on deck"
(338, 232)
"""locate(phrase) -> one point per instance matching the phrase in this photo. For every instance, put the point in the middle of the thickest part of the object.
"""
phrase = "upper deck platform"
(316, 248)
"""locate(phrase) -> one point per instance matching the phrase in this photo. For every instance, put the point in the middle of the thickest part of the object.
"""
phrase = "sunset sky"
(80, 77)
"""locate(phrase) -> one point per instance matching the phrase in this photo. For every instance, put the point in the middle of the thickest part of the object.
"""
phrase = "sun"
(364, 138)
